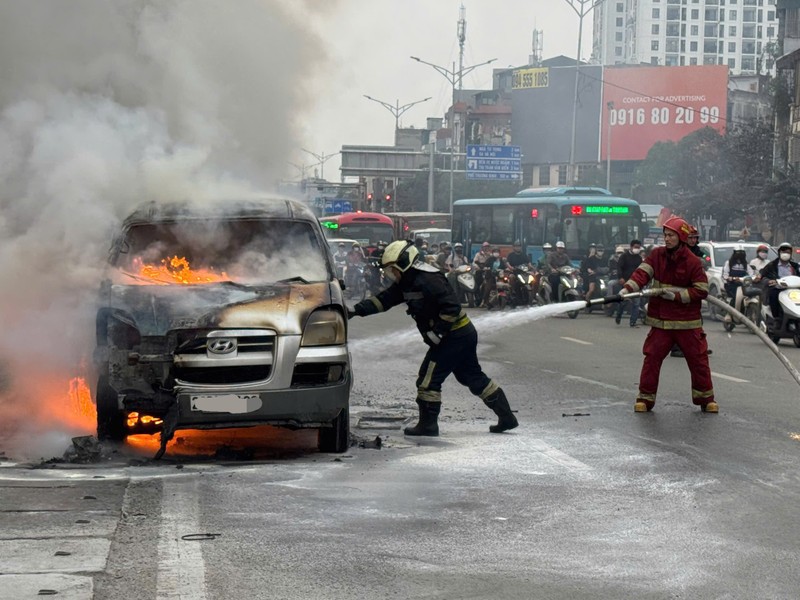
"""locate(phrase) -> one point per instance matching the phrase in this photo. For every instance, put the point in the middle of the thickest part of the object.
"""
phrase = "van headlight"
(325, 327)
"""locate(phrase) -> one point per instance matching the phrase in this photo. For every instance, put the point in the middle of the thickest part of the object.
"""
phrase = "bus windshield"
(365, 233)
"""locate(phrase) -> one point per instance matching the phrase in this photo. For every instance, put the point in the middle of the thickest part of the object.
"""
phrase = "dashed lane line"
(577, 341)
(729, 378)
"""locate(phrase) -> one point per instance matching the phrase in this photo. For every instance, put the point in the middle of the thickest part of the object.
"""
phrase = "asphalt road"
(609, 504)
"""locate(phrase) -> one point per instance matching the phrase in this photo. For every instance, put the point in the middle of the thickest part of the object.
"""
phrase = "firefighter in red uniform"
(674, 316)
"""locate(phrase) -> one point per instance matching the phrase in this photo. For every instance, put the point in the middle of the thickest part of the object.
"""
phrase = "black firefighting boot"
(499, 404)
(428, 417)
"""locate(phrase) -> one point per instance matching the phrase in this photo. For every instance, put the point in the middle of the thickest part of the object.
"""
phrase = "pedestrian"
(674, 315)
(447, 330)
(628, 263)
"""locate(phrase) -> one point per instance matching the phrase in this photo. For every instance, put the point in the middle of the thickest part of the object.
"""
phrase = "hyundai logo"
(222, 345)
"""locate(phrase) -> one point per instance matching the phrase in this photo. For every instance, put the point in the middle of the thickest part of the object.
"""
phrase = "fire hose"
(719, 304)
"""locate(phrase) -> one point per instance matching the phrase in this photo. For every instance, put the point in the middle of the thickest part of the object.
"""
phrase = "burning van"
(222, 316)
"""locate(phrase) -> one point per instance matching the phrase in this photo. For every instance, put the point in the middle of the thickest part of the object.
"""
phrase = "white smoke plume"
(107, 105)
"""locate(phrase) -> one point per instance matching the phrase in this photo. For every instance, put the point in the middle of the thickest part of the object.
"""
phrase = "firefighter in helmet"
(674, 315)
(451, 337)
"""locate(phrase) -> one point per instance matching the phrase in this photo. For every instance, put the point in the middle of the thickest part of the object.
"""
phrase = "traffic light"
(369, 200)
(388, 198)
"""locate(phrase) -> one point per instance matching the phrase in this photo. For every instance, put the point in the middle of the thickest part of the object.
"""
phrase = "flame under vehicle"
(225, 315)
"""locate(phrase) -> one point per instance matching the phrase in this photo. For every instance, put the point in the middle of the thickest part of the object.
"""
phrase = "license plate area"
(234, 404)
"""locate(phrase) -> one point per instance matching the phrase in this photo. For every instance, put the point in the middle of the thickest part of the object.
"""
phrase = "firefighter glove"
(668, 296)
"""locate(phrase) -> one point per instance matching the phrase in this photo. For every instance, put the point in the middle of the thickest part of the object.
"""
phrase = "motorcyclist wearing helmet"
(734, 269)
(674, 315)
(379, 249)
(557, 259)
(478, 262)
(456, 260)
(340, 256)
(759, 262)
(355, 263)
(515, 259)
(447, 330)
(783, 266)
(543, 264)
(592, 268)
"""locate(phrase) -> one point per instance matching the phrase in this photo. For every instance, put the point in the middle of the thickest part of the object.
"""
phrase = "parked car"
(225, 315)
(716, 255)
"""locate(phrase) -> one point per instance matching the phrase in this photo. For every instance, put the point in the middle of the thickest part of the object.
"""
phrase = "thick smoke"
(104, 106)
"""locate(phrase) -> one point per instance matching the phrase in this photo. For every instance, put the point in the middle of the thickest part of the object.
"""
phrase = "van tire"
(335, 439)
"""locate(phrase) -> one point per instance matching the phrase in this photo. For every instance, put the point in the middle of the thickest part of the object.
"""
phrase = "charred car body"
(222, 316)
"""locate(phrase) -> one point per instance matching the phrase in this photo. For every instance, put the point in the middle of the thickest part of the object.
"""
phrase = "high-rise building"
(738, 33)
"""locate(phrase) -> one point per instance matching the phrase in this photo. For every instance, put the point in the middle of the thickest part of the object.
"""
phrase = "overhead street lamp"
(322, 158)
(396, 110)
(454, 78)
(582, 8)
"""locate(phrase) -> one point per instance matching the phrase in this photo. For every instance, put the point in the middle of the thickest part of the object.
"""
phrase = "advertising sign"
(645, 105)
(530, 78)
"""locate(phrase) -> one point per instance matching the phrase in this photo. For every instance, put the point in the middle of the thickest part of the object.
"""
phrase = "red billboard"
(645, 105)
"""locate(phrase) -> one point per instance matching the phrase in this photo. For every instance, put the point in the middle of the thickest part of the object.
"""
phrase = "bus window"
(503, 225)
(535, 226)
(482, 223)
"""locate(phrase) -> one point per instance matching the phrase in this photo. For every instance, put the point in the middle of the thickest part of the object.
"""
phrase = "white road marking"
(600, 383)
(729, 378)
(569, 339)
(181, 569)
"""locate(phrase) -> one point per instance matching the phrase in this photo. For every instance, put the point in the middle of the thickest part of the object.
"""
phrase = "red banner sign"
(645, 105)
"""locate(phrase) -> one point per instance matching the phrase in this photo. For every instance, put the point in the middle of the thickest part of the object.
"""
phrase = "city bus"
(577, 216)
(406, 222)
(365, 227)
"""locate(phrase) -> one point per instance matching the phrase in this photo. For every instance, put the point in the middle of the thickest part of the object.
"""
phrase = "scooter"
(524, 286)
(499, 289)
(747, 301)
(568, 287)
(466, 284)
(789, 324)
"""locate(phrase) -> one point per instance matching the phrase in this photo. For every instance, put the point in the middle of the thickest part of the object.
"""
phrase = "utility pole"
(322, 158)
(396, 110)
(454, 78)
(582, 8)
(610, 106)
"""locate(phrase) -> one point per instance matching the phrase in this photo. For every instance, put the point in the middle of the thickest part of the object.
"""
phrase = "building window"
(620, 22)
(618, 51)
(693, 61)
(770, 15)
(748, 47)
(620, 7)
(673, 29)
(562, 174)
(748, 31)
(710, 46)
(748, 63)
(749, 15)
(618, 36)
(544, 175)
(656, 13)
(654, 29)
(770, 32)
(653, 60)
(692, 46)
(671, 60)
(733, 15)
(712, 14)
(731, 63)
(710, 30)
(695, 14)
(731, 46)
(672, 46)
(673, 13)
(710, 60)
(654, 45)
(731, 30)
(695, 29)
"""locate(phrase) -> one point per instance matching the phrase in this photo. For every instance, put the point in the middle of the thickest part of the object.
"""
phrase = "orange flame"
(82, 409)
(178, 270)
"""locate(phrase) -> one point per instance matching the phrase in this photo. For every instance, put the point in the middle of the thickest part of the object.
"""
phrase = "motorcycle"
(374, 279)
(499, 289)
(789, 324)
(465, 284)
(523, 289)
(568, 287)
(355, 285)
(747, 301)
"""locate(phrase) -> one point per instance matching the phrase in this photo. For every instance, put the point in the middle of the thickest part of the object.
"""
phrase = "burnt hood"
(157, 309)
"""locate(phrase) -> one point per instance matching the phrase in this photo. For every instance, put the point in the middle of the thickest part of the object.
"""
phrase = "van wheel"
(796, 340)
(776, 339)
(337, 438)
(110, 419)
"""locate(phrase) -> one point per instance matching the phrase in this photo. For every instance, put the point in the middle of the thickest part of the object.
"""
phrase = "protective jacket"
(430, 299)
(679, 268)
(771, 270)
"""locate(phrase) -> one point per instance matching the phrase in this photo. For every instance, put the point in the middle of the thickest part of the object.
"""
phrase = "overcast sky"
(369, 43)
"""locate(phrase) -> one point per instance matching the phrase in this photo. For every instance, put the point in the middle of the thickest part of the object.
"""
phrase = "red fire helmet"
(679, 226)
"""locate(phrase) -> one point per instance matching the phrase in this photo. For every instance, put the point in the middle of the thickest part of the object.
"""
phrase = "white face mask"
(636, 250)
(785, 256)
(762, 255)
(496, 254)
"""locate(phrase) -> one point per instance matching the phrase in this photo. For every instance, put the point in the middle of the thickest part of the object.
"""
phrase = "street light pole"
(610, 106)
(396, 110)
(454, 78)
(582, 8)
(322, 158)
